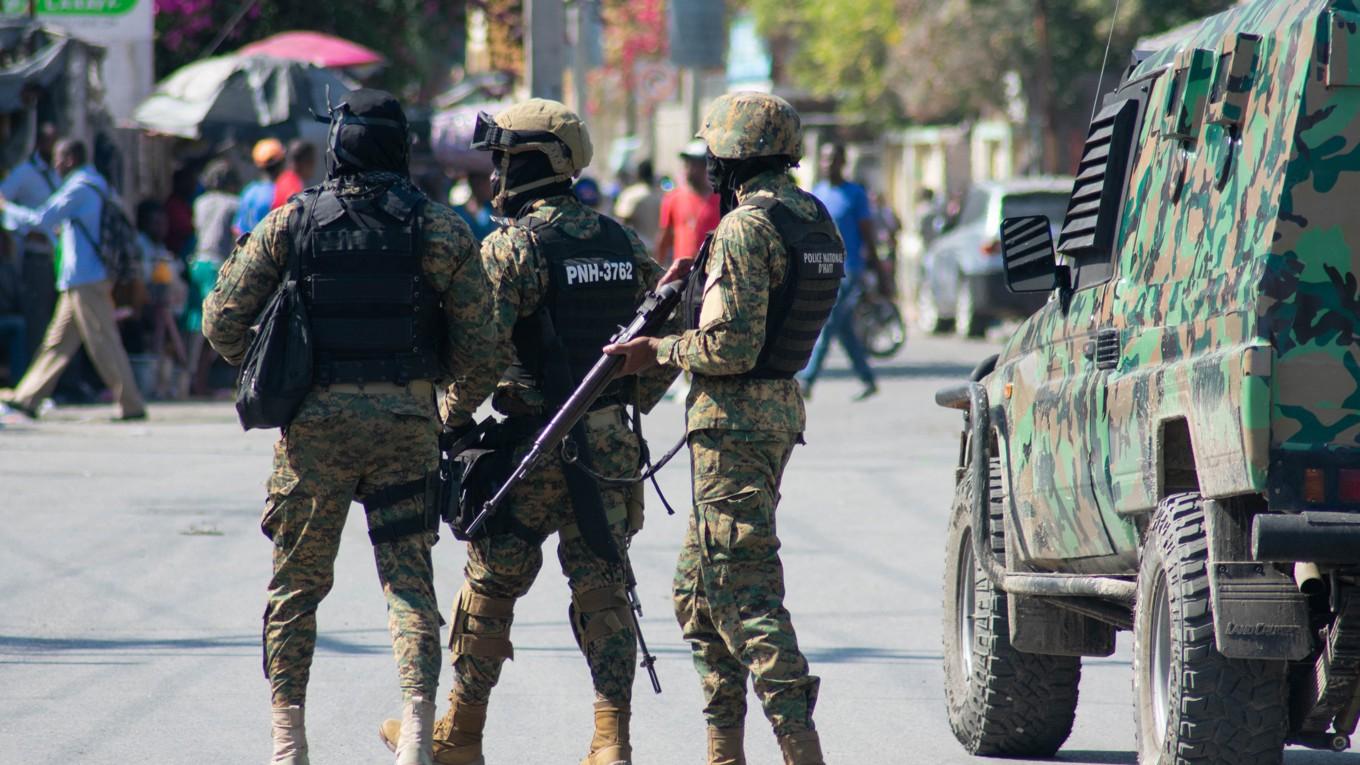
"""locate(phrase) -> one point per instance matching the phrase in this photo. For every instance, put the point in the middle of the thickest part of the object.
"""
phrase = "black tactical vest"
(800, 306)
(374, 315)
(592, 291)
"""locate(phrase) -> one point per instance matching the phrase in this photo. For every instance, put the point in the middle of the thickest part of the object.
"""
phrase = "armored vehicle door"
(1055, 398)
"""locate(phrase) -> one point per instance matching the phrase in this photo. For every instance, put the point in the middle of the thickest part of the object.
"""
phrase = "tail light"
(992, 248)
(1315, 486)
(1348, 486)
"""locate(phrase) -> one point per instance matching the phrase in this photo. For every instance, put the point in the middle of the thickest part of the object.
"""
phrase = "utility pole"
(581, 10)
(545, 21)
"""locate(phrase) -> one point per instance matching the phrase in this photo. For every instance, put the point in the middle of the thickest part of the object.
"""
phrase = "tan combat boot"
(457, 735)
(290, 737)
(802, 748)
(414, 744)
(726, 746)
(610, 745)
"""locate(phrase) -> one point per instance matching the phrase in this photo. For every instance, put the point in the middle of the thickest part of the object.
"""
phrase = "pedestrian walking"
(214, 211)
(554, 315)
(690, 211)
(394, 279)
(257, 199)
(759, 295)
(30, 184)
(849, 206)
(476, 208)
(85, 313)
(13, 334)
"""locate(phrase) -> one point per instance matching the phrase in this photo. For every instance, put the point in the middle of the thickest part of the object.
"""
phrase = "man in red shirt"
(301, 165)
(689, 211)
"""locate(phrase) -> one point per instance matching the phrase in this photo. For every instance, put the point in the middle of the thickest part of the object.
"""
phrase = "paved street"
(132, 575)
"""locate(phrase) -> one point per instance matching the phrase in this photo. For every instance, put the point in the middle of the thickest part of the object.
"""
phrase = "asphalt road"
(132, 576)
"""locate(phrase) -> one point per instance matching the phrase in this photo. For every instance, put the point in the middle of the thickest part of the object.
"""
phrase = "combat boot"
(415, 741)
(802, 748)
(610, 744)
(290, 737)
(726, 746)
(457, 735)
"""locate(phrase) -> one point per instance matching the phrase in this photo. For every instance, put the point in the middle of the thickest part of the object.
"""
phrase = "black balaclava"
(369, 134)
(727, 175)
(525, 167)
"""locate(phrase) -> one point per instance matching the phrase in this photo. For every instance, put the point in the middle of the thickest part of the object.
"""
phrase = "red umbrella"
(314, 47)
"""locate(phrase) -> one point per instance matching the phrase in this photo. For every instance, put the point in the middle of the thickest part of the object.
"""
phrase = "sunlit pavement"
(132, 576)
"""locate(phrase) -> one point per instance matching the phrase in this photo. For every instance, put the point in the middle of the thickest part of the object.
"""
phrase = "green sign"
(71, 7)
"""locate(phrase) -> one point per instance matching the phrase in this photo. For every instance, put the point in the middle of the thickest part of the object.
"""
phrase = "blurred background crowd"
(926, 122)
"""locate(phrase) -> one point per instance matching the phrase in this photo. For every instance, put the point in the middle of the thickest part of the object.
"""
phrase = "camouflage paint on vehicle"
(1233, 306)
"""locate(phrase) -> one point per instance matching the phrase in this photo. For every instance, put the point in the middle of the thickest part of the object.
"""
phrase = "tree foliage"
(421, 39)
(841, 49)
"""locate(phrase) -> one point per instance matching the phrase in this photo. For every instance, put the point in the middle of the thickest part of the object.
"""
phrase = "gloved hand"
(452, 435)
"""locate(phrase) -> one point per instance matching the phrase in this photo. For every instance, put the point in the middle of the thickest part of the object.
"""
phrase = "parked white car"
(961, 281)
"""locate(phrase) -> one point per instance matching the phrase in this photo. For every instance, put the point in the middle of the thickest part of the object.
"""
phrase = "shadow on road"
(898, 370)
(18, 650)
(1291, 757)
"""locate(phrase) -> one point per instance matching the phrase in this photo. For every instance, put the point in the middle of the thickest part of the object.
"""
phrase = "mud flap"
(1259, 612)
(1039, 627)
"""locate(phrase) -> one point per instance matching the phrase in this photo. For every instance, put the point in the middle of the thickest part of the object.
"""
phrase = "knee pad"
(599, 613)
(487, 643)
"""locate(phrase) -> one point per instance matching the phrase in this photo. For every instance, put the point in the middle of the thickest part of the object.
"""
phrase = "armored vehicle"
(1171, 445)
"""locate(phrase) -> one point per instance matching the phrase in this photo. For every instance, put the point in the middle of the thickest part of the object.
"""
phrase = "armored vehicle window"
(1088, 235)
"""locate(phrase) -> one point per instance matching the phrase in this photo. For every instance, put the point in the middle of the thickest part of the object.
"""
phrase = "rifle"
(655, 309)
(635, 611)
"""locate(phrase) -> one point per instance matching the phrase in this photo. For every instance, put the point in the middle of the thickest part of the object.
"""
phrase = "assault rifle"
(650, 315)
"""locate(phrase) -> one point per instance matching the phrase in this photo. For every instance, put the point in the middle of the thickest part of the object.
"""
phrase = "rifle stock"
(655, 309)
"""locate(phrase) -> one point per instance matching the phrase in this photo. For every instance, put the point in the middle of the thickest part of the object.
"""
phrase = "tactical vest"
(801, 305)
(592, 289)
(375, 317)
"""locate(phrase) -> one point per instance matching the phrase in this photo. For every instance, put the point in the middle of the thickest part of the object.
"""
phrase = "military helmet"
(537, 125)
(749, 124)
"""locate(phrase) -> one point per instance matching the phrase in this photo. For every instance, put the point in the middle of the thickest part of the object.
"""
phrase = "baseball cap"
(268, 151)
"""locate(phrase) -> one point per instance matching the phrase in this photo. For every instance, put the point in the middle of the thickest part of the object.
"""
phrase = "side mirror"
(1028, 255)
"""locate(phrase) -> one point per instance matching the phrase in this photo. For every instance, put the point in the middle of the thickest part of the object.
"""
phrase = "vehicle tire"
(928, 310)
(1195, 706)
(1000, 701)
(969, 321)
(879, 326)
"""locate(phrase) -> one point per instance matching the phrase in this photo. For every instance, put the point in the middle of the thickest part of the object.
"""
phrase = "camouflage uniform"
(503, 566)
(347, 444)
(729, 588)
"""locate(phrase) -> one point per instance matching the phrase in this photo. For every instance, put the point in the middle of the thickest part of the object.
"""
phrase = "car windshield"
(1050, 203)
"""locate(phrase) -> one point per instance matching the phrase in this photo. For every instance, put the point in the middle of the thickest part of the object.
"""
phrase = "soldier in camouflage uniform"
(772, 270)
(587, 273)
(370, 428)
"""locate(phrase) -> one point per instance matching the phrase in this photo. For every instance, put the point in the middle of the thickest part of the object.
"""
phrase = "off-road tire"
(1011, 703)
(1219, 710)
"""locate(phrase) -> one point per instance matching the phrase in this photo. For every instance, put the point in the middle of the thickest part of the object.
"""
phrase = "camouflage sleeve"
(653, 383)
(244, 285)
(511, 279)
(453, 262)
(735, 300)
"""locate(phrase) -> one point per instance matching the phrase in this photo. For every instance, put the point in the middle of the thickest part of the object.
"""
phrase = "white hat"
(695, 149)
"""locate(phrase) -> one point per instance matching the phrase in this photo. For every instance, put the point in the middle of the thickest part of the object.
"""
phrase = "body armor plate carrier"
(801, 305)
(592, 289)
(375, 316)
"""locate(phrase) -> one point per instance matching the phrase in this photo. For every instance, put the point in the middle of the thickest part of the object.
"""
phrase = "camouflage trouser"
(729, 583)
(320, 465)
(502, 566)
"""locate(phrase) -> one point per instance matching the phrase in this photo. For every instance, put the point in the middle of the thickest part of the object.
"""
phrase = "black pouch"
(470, 472)
(277, 372)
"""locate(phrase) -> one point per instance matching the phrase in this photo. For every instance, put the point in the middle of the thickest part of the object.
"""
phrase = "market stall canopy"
(315, 48)
(32, 55)
(237, 96)
(451, 138)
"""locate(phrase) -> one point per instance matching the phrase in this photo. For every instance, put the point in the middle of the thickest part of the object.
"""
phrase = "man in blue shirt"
(85, 313)
(257, 198)
(29, 184)
(849, 206)
(476, 211)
